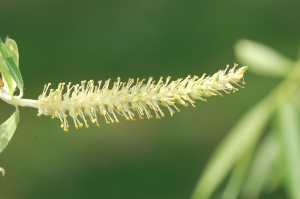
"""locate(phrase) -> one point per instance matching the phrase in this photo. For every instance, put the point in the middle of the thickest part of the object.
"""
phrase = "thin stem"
(14, 100)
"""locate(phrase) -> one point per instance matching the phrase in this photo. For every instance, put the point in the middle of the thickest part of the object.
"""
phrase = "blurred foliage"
(63, 41)
(262, 151)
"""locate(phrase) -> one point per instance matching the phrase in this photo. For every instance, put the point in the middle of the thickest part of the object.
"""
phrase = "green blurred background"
(63, 41)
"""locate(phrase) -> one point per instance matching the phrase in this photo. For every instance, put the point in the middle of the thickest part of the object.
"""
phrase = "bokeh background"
(70, 41)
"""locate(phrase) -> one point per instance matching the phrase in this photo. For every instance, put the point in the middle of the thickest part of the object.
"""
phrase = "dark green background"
(62, 41)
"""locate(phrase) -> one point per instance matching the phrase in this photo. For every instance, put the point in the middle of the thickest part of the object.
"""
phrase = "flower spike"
(85, 101)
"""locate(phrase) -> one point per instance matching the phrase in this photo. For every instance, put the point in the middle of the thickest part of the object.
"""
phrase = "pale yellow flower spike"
(84, 101)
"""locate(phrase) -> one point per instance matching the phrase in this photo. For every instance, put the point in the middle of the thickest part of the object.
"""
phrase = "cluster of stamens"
(125, 99)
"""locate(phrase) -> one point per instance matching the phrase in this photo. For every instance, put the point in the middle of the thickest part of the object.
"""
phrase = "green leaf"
(242, 138)
(290, 140)
(7, 79)
(12, 48)
(237, 177)
(12, 65)
(265, 158)
(262, 59)
(8, 128)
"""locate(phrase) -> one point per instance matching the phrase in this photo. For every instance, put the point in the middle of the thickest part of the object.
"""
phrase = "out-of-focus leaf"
(262, 59)
(290, 140)
(2, 171)
(7, 79)
(237, 177)
(241, 138)
(7, 129)
(12, 66)
(299, 54)
(296, 101)
(275, 174)
(264, 159)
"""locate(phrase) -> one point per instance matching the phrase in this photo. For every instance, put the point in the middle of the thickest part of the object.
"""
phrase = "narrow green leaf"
(241, 138)
(265, 157)
(290, 139)
(12, 48)
(276, 172)
(12, 67)
(262, 59)
(7, 79)
(237, 177)
(8, 128)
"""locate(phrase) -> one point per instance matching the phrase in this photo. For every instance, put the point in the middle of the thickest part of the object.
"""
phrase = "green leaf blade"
(7, 79)
(12, 66)
(7, 129)
(261, 59)
(12, 48)
(233, 187)
(263, 166)
(240, 141)
(290, 141)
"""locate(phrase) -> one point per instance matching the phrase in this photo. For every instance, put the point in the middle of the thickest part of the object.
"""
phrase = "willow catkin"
(84, 102)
